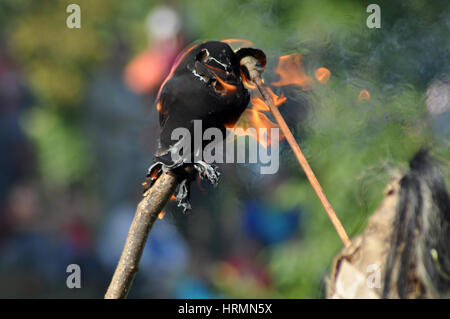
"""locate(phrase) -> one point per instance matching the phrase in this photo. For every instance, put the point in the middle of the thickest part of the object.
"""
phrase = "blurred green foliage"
(350, 144)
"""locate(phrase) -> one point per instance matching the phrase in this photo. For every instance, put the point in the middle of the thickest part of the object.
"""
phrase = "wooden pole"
(302, 161)
(147, 212)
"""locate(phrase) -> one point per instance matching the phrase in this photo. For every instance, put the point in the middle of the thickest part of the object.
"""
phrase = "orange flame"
(252, 118)
(229, 88)
(172, 198)
(278, 100)
(364, 95)
(161, 215)
(259, 105)
(323, 75)
(255, 118)
(237, 43)
(249, 85)
(291, 71)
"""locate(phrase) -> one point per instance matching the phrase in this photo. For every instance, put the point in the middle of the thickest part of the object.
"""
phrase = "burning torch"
(206, 83)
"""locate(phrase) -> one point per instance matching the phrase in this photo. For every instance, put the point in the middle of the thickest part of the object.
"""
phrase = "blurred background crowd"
(78, 129)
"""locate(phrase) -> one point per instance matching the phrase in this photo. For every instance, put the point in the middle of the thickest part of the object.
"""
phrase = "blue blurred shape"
(268, 224)
(192, 288)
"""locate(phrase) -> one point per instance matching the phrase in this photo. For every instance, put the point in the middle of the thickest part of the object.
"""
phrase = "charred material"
(404, 251)
(207, 85)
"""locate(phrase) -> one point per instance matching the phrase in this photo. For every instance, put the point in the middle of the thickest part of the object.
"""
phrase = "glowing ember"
(161, 215)
(364, 95)
(322, 75)
(291, 72)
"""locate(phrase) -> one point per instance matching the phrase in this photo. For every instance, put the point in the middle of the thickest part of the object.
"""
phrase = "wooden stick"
(303, 162)
(147, 212)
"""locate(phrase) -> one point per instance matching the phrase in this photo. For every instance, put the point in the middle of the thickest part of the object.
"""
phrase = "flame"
(255, 118)
(252, 118)
(153, 175)
(291, 71)
(161, 215)
(229, 88)
(237, 43)
(278, 100)
(172, 198)
(158, 106)
(323, 75)
(213, 68)
(249, 85)
(259, 105)
(364, 95)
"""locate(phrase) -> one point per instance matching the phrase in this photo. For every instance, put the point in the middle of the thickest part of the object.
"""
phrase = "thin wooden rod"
(303, 162)
(147, 212)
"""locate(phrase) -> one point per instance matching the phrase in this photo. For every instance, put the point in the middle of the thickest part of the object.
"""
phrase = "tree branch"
(147, 212)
